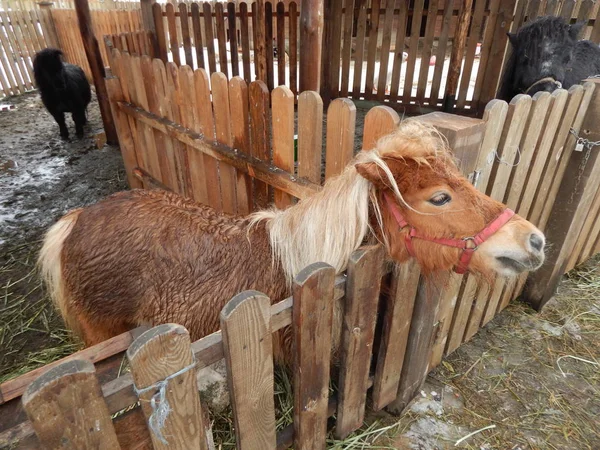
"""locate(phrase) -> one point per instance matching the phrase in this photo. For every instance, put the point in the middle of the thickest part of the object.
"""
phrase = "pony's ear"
(575, 29)
(512, 37)
(372, 172)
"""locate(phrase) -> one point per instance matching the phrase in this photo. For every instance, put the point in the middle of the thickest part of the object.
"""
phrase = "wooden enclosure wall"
(21, 36)
(225, 37)
(105, 23)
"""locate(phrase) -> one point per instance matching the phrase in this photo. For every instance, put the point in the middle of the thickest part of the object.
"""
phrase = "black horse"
(63, 88)
(546, 55)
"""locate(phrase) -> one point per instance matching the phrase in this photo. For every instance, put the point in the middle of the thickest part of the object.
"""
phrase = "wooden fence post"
(248, 346)
(311, 30)
(92, 51)
(358, 331)
(148, 24)
(67, 410)
(574, 198)
(312, 316)
(163, 369)
(456, 56)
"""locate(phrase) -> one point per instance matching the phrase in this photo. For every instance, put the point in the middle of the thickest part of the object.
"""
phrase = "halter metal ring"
(472, 239)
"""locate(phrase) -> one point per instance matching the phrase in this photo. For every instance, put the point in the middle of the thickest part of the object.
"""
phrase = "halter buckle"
(472, 239)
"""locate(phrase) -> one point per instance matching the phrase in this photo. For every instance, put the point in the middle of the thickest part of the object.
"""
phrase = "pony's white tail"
(50, 265)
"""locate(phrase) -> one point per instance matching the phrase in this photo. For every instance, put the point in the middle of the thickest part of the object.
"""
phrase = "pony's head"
(48, 68)
(542, 51)
(424, 207)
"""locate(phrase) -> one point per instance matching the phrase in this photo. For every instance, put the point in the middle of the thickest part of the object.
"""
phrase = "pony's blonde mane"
(331, 224)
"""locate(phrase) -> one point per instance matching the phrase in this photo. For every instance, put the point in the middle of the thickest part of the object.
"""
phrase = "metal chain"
(589, 145)
(583, 141)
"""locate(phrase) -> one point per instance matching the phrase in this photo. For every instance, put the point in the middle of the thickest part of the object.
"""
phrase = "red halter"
(463, 243)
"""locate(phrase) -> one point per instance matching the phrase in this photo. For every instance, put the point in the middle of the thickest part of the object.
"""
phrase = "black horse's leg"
(60, 120)
(79, 119)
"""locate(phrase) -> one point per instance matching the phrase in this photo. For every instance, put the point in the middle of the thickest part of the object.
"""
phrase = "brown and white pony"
(150, 257)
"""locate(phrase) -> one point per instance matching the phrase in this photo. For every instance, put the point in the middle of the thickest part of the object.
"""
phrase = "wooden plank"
(457, 54)
(508, 149)
(127, 129)
(170, 8)
(399, 305)
(20, 67)
(259, 126)
(573, 102)
(227, 174)
(359, 49)
(415, 31)
(431, 19)
(161, 35)
(445, 314)
(142, 86)
(373, 32)
(416, 359)
(281, 44)
(245, 36)
(541, 103)
(269, 44)
(497, 54)
(293, 40)
(360, 315)
(384, 58)
(595, 35)
(471, 47)
(163, 355)
(558, 101)
(341, 121)
(311, 30)
(158, 103)
(310, 136)
(533, 8)
(14, 78)
(198, 44)
(240, 129)
(258, 28)
(347, 46)
(221, 38)
(204, 165)
(583, 15)
(332, 51)
(312, 317)
(185, 34)
(283, 137)
(247, 341)
(379, 121)
(589, 233)
(174, 105)
(210, 38)
(66, 408)
(233, 44)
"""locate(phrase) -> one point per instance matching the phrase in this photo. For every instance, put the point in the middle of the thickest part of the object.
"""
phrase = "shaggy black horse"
(63, 88)
(546, 55)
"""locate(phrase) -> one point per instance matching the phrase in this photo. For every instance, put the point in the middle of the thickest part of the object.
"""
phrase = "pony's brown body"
(182, 265)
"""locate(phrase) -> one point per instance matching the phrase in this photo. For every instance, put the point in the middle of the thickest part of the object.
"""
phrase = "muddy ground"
(531, 381)
(41, 177)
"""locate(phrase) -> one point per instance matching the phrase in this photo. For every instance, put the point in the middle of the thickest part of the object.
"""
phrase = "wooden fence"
(372, 50)
(21, 36)
(105, 23)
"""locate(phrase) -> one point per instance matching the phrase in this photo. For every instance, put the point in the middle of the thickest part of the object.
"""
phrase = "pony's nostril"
(536, 241)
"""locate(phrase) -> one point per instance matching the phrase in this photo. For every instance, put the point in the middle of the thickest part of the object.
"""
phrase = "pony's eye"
(440, 199)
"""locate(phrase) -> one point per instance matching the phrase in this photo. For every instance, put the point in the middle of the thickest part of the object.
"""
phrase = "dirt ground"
(531, 380)
(41, 177)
